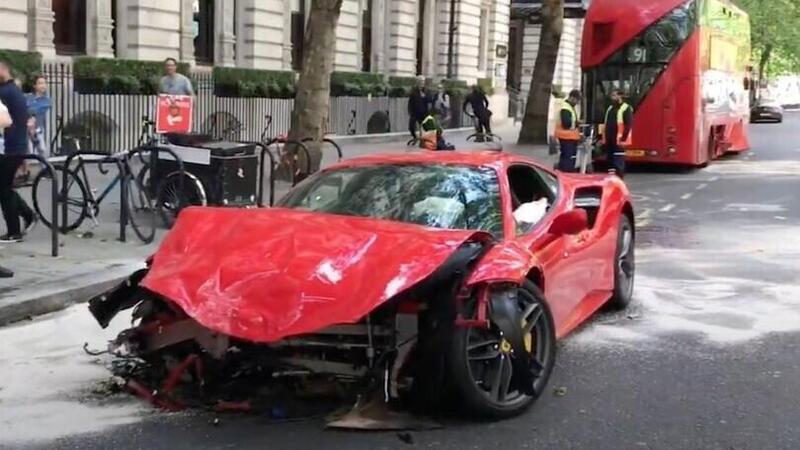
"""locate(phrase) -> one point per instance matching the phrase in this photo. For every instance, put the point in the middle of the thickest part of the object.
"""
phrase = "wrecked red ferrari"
(430, 278)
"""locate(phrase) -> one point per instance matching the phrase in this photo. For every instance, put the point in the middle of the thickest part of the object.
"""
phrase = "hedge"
(24, 65)
(119, 76)
(233, 82)
(458, 88)
(487, 85)
(401, 86)
(357, 84)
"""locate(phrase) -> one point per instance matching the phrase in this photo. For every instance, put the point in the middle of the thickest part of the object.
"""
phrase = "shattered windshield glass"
(440, 196)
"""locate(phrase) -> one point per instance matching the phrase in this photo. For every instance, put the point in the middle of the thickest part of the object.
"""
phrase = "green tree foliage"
(775, 34)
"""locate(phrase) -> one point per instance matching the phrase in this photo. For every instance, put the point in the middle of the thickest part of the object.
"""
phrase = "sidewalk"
(91, 263)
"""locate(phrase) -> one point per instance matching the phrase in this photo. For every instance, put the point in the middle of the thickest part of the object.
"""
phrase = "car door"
(565, 269)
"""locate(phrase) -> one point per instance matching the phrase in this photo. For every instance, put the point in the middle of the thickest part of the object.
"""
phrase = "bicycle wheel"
(172, 197)
(139, 207)
(144, 199)
(77, 199)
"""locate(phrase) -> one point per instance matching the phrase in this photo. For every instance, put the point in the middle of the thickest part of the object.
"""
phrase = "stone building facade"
(395, 37)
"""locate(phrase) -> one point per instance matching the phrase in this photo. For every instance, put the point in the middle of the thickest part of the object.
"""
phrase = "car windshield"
(440, 196)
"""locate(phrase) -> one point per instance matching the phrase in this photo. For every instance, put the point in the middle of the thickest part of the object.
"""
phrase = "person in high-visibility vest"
(567, 132)
(617, 132)
(432, 133)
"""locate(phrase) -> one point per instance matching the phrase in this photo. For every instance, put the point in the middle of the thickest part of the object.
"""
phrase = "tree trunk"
(534, 124)
(762, 67)
(312, 100)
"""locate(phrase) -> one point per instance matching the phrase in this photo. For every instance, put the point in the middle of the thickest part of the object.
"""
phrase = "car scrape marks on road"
(667, 208)
(686, 196)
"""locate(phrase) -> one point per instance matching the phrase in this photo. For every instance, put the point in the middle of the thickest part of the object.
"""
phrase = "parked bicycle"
(79, 197)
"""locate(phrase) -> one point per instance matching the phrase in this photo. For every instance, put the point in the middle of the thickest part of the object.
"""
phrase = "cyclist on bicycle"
(480, 109)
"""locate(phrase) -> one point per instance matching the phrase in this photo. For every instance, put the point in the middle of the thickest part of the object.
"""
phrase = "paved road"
(706, 357)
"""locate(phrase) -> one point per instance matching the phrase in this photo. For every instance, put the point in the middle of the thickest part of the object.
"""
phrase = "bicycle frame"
(97, 200)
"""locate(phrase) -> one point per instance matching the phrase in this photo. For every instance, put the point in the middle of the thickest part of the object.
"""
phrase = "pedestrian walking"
(441, 104)
(39, 105)
(617, 132)
(15, 140)
(174, 83)
(419, 105)
(480, 109)
(567, 133)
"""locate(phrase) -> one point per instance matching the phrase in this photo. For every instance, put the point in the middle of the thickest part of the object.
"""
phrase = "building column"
(40, 27)
(262, 40)
(286, 48)
(224, 33)
(379, 36)
(429, 38)
(186, 47)
(99, 39)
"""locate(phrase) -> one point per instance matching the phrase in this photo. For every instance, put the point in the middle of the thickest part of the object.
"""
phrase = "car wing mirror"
(570, 223)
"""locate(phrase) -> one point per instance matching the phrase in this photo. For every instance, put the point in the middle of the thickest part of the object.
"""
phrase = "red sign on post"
(174, 114)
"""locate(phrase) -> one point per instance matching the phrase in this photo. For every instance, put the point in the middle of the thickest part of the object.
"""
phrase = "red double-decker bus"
(684, 66)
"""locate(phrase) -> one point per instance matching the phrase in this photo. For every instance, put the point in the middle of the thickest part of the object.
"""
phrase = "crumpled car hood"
(265, 274)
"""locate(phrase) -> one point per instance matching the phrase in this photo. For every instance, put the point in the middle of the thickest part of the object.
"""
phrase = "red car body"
(360, 299)
(263, 275)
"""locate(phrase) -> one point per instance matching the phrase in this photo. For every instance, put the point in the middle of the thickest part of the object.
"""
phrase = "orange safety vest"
(571, 134)
(620, 125)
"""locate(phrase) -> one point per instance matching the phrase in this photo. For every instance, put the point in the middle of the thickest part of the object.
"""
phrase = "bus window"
(636, 67)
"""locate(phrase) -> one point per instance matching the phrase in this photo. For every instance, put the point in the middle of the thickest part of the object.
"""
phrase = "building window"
(69, 29)
(298, 33)
(483, 40)
(366, 37)
(203, 28)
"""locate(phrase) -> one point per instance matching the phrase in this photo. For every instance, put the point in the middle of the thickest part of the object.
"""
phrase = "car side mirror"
(570, 223)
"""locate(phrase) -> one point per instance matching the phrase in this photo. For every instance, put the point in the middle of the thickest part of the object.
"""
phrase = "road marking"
(780, 218)
(713, 179)
(702, 186)
(686, 196)
(667, 208)
(643, 219)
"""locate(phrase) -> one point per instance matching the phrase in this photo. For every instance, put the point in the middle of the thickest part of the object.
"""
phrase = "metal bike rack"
(107, 159)
(53, 199)
(121, 162)
(299, 145)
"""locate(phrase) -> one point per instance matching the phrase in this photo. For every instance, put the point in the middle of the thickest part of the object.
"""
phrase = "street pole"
(451, 40)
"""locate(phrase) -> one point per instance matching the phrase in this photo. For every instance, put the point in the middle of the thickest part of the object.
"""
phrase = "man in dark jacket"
(419, 105)
(480, 109)
(15, 139)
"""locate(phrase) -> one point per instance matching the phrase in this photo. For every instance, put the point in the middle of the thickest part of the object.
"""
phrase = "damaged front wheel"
(485, 365)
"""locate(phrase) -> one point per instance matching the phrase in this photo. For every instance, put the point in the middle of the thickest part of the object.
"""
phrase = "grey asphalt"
(705, 357)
